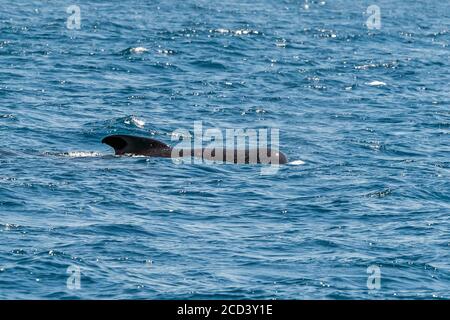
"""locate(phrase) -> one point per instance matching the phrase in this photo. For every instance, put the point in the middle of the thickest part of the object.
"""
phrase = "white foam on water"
(245, 32)
(376, 83)
(131, 155)
(136, 121)
(222, 30)
(297, 162)
(138, 50)
(238, 32)
(281, 43)
(82, 154)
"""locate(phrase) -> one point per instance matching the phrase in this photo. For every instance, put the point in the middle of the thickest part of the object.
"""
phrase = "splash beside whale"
(133, 145)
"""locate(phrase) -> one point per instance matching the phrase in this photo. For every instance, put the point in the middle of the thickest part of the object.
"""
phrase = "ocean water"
(361, 212)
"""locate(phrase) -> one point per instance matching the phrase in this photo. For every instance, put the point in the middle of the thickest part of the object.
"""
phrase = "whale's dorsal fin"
(125, 144)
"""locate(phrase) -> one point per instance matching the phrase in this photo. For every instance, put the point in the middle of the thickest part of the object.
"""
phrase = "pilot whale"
(133, 145)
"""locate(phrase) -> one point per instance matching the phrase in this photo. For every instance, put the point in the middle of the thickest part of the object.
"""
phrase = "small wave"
(125, 122)
(6, 153)
(209, 64)
(135, 121)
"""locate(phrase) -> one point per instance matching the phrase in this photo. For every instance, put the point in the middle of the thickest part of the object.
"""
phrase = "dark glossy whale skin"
(133, 145)
(126, 144)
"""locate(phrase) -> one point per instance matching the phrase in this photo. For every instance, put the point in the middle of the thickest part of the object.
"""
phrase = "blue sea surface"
(364, 117)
